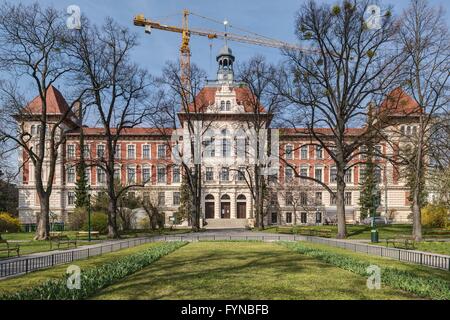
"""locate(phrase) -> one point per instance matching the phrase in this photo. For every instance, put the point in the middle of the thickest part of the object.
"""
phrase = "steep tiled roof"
(399, 103)
(207, 95)
(56, 104)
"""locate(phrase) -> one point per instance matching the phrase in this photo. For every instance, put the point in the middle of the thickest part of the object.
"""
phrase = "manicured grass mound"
(243, 270)
(96, 278)
(434, 288)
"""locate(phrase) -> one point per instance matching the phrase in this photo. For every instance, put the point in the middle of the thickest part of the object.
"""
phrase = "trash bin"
(374, 235)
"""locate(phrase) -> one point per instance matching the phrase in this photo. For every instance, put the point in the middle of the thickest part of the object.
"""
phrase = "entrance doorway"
(241, 207)
(225, 207)
(209, 206)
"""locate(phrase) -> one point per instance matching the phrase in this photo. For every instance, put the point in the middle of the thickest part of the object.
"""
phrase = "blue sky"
(267, 17)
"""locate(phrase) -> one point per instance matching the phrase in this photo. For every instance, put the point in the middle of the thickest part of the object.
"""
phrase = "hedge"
(95, 279)
(433, 288)
(8, 223)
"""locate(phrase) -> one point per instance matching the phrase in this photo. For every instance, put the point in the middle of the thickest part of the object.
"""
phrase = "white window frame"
(149, 151)
(128, 151)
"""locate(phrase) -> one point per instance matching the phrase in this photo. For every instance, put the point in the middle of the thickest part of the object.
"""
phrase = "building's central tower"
(225, 59)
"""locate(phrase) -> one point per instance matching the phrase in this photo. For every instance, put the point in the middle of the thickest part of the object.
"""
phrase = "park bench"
(8, 247)
(314, 232)
(402, 242)
(83, 234)
(60, 238)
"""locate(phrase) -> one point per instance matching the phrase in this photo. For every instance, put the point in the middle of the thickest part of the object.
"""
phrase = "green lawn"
(363, 231)
(37, 277)
(243, 270)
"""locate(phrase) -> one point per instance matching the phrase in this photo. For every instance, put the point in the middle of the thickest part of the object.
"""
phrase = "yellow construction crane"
(186, 33)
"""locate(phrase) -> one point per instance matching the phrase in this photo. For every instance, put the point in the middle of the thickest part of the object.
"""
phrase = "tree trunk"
(340, 204)
(417, 223)
(112, 221)
(43, 225)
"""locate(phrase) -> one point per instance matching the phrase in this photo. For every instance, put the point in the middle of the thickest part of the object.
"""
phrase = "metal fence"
(417, 257)
(26, 265)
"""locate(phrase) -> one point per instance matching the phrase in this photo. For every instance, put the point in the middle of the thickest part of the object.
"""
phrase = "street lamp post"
(374, 231)
(89, 213)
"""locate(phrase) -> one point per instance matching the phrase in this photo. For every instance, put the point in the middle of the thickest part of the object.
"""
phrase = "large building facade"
(145, 157)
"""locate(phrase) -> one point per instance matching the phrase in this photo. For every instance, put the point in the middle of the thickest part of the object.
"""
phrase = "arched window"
(222, 105)
(209, 197)
(241, 197)
(225, 197)
(228, 108)
(226, 148)
(33, 129)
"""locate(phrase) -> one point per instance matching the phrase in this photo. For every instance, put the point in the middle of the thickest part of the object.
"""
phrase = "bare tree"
(181, 103)
(33, 43)
(425, 39)
(117, 90)
(261, 102)
(348, 67)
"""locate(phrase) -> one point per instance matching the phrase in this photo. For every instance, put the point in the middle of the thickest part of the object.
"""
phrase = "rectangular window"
(333, 175)
(161, 174)
(289, 199)
(101, 175)
(176, 198)
(176, 177)
(71, 151)
(226, 148)
(332, 200)
(288, 217)
(318, 198)
(348, 176)
(131, 175)
(362, 172)
(318, 174)
(210, 150)
(303, 217)
(304, 152)
(161, 151)
(363, 152)
(87, 175)
(146, 197)
(274, 217)
(289, 152)
(117, 174)
(303, 198)
(348, 198)
(289, 174)
(304, 171)
(145, 174)
(319, 152)
(241, 148)
(377, 174)
(161, 198)
(378, 152)
(146, 151)
(209, 174)
(241, 174)
(117, 151)
(71, 175)
(70, 198)
(86, 151)
(224, 174)
(131, 151)
(100, 151)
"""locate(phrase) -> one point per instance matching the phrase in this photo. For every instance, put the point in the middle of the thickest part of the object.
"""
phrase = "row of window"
(161, 173)
(318, 152)
(318, 174)
(304, 199)
(131, 151)
(224, 174)
(303, 217)
(161, 201)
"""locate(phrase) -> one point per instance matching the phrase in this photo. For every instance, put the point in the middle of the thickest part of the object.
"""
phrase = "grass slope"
(243, 270)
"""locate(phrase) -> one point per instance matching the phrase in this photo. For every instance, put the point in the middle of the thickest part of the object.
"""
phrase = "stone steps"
(225, 223)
